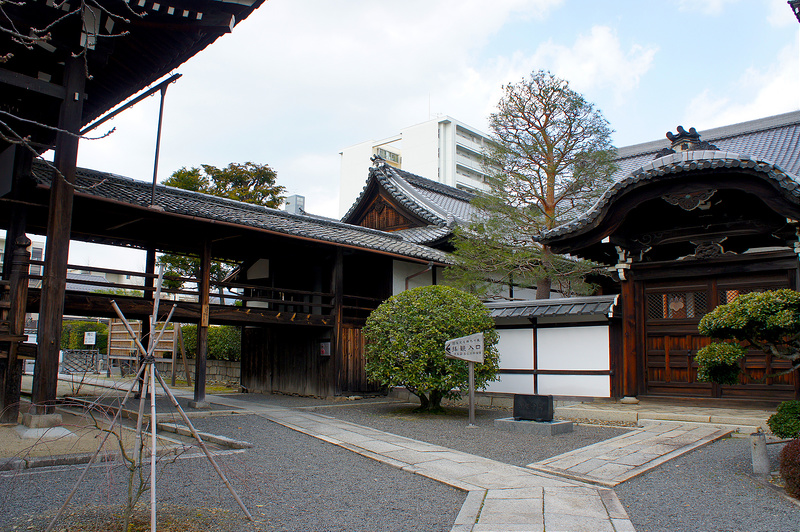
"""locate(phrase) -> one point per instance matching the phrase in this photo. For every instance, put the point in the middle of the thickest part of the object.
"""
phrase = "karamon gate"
(686, 232)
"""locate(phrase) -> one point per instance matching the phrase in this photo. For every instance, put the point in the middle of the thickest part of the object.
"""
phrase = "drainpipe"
(429, 268)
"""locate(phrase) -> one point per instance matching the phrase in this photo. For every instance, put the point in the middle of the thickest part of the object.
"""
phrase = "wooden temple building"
(689, 224)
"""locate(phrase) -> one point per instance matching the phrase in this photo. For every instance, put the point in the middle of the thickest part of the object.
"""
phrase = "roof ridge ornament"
(685, 141)
(378, 161)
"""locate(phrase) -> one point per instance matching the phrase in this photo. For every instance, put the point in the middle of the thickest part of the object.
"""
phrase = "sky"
(299, 80)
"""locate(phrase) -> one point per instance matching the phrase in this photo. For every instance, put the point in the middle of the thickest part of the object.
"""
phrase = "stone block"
(40, 421)
(533, 407)
(539, 428)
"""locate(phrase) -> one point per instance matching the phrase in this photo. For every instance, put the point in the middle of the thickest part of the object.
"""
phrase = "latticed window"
(676, 305)
(726, 296)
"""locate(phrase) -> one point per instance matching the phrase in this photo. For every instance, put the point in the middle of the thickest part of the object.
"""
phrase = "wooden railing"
(246, 295)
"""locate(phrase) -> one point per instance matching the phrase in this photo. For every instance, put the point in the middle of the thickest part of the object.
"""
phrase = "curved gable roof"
(432, 204)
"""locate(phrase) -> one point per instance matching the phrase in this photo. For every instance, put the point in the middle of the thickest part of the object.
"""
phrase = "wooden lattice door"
(670, 339)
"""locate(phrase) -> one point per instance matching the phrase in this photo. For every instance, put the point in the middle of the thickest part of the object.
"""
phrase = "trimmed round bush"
(785, 422)
(719, 362)
(789, 460)
(406, 336)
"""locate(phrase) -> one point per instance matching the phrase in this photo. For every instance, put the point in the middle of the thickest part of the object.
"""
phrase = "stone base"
(199, 405)
(41, 421)
(539, 428)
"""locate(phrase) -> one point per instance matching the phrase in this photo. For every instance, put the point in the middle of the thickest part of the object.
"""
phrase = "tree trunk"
(431, 403)
(543, 288)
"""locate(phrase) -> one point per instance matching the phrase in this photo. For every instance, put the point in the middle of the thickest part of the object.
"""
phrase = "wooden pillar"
(16, 228)
(59, 224)
(204, 285)
(338, 319)
(11, 373)
(630, 386)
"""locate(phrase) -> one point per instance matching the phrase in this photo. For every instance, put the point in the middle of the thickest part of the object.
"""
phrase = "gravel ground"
(296, 483)
(289, 482)
(452, 431)
(708, 490)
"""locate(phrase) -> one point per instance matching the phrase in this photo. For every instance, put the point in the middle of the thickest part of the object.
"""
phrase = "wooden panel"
(286, 360)
(671, 339)
(353, 377)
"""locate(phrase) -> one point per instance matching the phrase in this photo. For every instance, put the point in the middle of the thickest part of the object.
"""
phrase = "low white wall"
(556, 349)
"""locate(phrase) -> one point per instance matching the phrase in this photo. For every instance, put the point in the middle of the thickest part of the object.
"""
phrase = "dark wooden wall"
(281, 359)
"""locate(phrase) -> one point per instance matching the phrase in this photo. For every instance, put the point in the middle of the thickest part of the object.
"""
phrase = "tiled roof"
(775, 139)
(538, 308)
(423, 235)
(178, 201)
(770, 146)
(80, 281)
(438, 204)
(671, 166)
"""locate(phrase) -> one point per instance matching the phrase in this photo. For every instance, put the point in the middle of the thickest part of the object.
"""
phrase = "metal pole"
(471, 394)
(158, 142)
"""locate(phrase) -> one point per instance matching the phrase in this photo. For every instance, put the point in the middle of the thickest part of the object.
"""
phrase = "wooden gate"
(673, 310)
(352, 376)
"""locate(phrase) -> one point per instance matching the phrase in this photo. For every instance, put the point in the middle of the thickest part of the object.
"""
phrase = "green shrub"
(72, 335)
(769, 321)
(719, 362)
(789, 460)
(224, 342)
(785, 422)
(406, 336)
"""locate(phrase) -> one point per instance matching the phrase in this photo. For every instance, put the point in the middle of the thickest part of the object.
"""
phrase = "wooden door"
(671, 340)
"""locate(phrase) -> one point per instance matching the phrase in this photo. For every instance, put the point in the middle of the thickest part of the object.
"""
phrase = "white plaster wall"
(573, 348)
(516, 348)
(583, 385)
(512, 384)
(401, 270)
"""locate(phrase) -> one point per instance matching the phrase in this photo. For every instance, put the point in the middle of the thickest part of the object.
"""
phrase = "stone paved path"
(616, 460)
(502, 497)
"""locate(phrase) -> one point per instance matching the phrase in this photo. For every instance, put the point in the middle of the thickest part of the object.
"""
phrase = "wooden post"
(338, 311)
(629, 333)
(183, 354)
(12, 371)
(204, 285)
(59, 223)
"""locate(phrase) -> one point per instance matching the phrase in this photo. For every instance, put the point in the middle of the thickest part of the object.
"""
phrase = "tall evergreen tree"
(549, 158)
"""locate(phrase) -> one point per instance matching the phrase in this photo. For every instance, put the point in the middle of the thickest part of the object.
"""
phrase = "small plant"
(785, 422)
(719, 362)
(790, 467)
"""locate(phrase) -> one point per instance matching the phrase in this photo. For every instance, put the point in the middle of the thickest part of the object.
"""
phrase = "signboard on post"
(470, 349)
(90, 338)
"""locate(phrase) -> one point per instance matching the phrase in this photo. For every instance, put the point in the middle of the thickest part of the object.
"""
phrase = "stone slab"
(38, 421)
(538, 428)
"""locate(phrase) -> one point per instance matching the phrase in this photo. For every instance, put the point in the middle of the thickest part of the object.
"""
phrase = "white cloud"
(594, 62)
(762, 92)
(707, 7)
(779, 14)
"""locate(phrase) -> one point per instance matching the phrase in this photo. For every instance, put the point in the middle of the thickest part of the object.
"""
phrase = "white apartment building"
(442, 149)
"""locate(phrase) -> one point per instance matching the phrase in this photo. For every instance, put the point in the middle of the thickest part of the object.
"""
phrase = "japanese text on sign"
(469, 348)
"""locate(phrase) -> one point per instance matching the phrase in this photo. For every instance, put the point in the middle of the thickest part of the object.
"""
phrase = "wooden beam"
(59, 224)
(32, 84)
